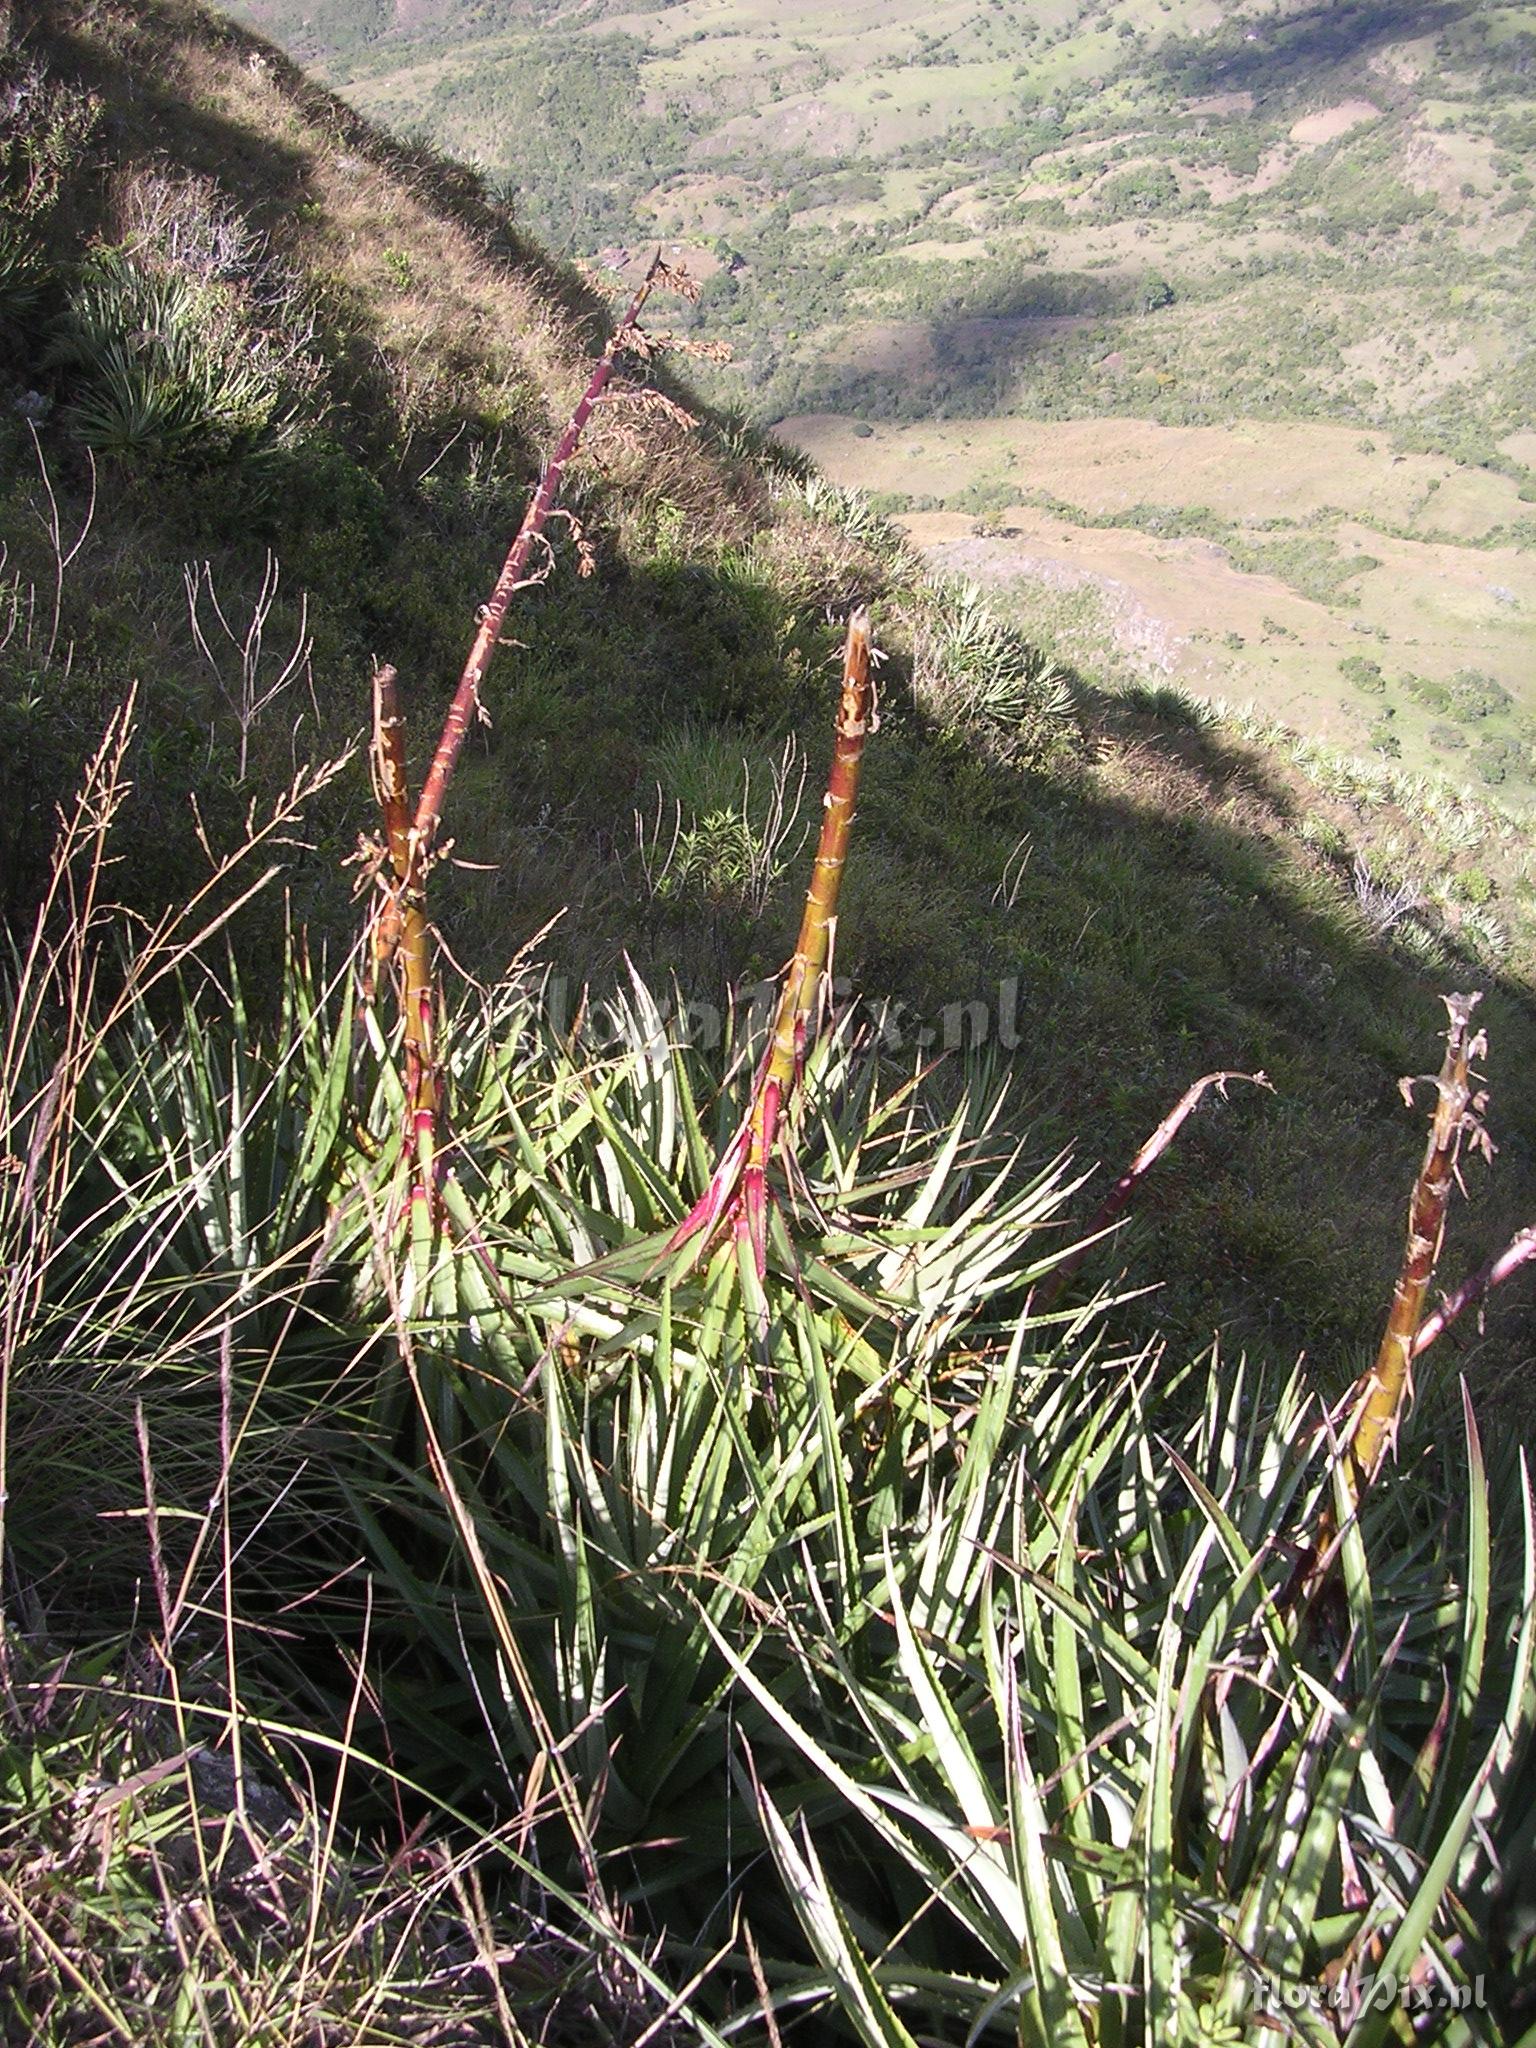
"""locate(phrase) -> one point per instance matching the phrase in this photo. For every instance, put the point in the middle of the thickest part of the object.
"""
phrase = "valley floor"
(1260, 562)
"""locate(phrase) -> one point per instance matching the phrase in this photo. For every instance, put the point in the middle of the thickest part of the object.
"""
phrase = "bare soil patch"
(1168, 604)
(1220, 103)
(810, 125)
(1332, 122)
(1223, 184)
(1252, 469)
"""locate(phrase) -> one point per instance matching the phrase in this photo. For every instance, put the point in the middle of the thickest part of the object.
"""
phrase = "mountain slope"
(433, 1606)
(1129, 882)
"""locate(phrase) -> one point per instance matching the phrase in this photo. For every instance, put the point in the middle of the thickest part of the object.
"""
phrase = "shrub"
(1473, 885)
(1384, 740)
(1496, 760)
(1436, 695)
(1152, 188)
(44, 135)
(725, 841)
(1476, 694)
(1364, 673)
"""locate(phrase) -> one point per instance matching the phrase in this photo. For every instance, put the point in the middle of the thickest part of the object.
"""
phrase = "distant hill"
(1188, 217)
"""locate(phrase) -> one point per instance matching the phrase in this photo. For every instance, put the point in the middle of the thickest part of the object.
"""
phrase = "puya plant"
(163, 367)
(578, 1445)
(1115, 1791)
(1150, 1793)
(594, 1416)
(669, 1457)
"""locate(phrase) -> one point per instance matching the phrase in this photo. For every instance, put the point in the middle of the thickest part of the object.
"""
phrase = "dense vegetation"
(522, 1633)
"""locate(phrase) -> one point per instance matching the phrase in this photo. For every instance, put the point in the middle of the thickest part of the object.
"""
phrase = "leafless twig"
(1384, 904)
(257, 683)
(64, 553)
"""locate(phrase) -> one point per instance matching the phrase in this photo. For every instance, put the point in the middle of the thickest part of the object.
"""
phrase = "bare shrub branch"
(256, 682)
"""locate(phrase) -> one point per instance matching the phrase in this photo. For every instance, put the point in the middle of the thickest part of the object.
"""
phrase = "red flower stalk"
(1519, 1252)
(738, 1192)
(401, 926)
(401, 931)
(514, 574)
(1114, 1202)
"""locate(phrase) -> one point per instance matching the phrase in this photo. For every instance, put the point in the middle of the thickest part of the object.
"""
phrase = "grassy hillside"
(1223, 220)
(1138, 882)
(512, 1541)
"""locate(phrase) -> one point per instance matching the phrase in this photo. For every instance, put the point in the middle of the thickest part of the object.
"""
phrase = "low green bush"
(1364, 673)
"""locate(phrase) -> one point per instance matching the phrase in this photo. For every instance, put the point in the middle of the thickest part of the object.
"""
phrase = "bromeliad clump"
(736, 1200)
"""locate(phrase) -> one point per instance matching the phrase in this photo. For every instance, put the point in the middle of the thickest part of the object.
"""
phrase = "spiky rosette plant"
(626, 1442)
(1114, 1793)
(992, 1621)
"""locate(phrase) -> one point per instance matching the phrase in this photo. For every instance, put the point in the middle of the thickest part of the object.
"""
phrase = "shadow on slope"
(975, 342)
(1283, 57)
(1112, 919)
